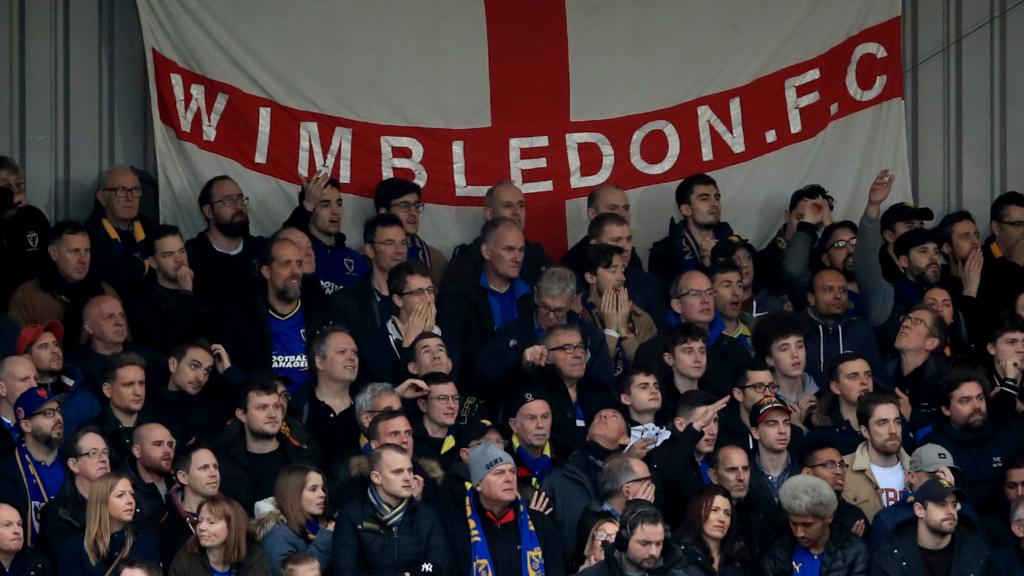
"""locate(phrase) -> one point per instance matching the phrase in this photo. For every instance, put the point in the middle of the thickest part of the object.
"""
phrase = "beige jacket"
(861, 487)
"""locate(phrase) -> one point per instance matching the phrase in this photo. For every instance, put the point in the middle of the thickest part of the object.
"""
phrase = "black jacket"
(28, 563)
(571, 488)
(200, 416)
(921, 386)
(222, 279)
(162, 318)
(62, 518)
(844, 555)
(670, 564)
(467, 263)
(902, 558)
(696, 563)
(73, 560)
(118, 261)
(677, 253)
(236, 474)
(24, 237)
(503, 542)
(981, 454)
(149, 503)
(726, 361)
(1008, 561)
(363, 545)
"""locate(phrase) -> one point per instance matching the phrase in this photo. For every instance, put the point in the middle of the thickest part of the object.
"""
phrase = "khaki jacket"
(861, 487)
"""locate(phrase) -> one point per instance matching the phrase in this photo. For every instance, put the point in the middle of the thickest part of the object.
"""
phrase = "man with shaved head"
(118, 231)
(503, 200)
(17, 374)
(149, 469)
(106, 330)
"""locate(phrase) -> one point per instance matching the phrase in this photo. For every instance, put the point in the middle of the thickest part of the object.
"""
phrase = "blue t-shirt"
(805, 563)
(339, 266)
(288, 346)
(215, 572)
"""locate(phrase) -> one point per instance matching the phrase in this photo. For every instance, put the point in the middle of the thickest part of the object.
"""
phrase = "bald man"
(118, 231)
(15, 558)
(503, 200)
(17, 374)
(149, 469)
(605, 199)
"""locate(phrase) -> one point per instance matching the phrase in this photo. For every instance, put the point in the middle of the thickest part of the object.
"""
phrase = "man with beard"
(877, 476)
(918, 365)
(960, 243)
(835, 418)
(503, 200)
(197, 474)
(191, 406)
(64, 285)
(822, 459)
(163, 315)
(271, 331)
(832, 327)
(814, 544)
(42, 344)
(118, 231)
(639, 546)
(754, 510)
(625, 325)
(937, 541)
(834, 250)
(33, 473)
(573, 486)
(401, 198)
(251, 461)
(689, 242)
(319, 215)
(978, 448)
(225, 257)
(149, 469)
(63, 517)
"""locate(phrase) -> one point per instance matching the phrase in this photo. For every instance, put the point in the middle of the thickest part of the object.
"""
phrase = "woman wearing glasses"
(601, 533)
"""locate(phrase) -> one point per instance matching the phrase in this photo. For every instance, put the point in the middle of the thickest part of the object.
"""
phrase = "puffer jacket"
(280, 542)
(900, 557)
(363, 545)
(844, 555)
(696, 563)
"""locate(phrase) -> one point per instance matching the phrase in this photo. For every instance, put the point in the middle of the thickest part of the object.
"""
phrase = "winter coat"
(900, 557)
(280, 542)
(73, 560)
(844, 555)
(670, 564)
(696, 563)
(862, 488)
(197, 564)
(981, 454)
(363, 545)
(825, 340)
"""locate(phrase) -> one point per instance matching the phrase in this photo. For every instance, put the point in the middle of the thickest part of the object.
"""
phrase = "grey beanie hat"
(485, 457)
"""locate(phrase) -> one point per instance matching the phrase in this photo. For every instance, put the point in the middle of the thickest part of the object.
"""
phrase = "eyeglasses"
(432, 290)
(551, 311)
(914, 321)
(840, 244)
(125, 191)
(831, 465)
(1018, 224)
(602, 536)
(232, 201)
(568, 348)
(698, 294)
(761, 387)
(446, 399)
(390, 244)
(95, 454)
(48, 412)
(406, 206)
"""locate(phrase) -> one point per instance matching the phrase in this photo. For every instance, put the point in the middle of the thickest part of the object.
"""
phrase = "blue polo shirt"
(503, 304)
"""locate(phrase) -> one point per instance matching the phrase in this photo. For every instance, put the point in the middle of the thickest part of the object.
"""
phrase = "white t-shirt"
(892, 481)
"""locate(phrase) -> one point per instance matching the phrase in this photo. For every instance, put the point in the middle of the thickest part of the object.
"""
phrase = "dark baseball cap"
(726, 248)
(912, 239)
(760, 410)
(903, 212)
(518, 399)
(937, 490)
(31, 400)
(604, 402)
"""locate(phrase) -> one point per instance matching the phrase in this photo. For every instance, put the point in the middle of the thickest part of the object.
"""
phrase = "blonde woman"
(292, 521)
(220, 544)
(109, 539)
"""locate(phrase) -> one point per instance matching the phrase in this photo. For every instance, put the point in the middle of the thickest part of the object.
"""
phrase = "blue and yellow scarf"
(532, 557)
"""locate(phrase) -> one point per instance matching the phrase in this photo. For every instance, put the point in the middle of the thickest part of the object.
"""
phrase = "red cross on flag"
(561, 96)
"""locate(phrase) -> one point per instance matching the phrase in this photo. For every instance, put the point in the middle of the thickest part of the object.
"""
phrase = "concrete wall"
(75, 99)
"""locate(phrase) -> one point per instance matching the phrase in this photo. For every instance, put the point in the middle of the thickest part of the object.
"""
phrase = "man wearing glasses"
(918, 365)
(1002, 274)
(118, 231)
(756, 382)
(821, 458)
(402, 198)
(33, 473)
(64, 515)
(434, 432)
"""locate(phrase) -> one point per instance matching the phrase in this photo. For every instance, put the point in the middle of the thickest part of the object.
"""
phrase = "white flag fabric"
(561, 96)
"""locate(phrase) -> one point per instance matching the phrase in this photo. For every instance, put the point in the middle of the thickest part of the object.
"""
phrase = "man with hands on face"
(164, 314)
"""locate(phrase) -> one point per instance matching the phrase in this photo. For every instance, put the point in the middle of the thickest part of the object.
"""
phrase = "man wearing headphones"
(641, 545)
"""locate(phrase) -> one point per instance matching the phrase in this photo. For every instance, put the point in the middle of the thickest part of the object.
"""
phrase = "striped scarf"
(389, 515)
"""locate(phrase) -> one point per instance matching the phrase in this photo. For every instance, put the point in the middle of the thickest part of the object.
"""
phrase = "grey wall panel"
(75, 99)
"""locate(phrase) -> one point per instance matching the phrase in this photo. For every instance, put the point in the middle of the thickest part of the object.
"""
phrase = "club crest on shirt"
(33, 240)
(350, 264)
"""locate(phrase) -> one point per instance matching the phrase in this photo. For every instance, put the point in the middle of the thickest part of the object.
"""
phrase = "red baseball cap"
(29, 334)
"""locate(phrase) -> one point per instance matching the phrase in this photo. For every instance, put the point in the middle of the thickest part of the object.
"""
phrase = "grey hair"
(372, 391)
(806, 495)
(557, 281)
(617, 472)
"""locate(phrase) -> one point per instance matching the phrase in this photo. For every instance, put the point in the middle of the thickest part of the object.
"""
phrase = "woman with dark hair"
(109, 541)
(710, 543)
(291, 522)
(220, 546)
